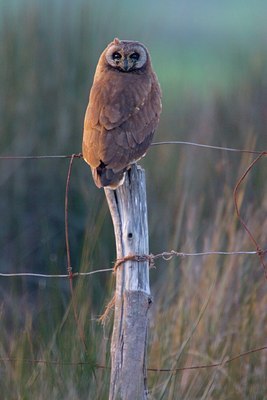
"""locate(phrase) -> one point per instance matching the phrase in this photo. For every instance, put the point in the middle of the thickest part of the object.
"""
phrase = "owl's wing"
(120, 120)
(115, 96)
(128, 142)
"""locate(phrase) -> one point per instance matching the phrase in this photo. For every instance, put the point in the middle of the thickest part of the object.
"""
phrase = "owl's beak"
(125, 64)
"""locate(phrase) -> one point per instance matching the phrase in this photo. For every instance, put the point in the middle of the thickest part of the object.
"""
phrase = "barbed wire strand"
(74, 274)
(222, 363)
(78, 155)
(214, 365)
(69, 267)
(207, 146)
(168, 142)
(259, 250)
(166, 256)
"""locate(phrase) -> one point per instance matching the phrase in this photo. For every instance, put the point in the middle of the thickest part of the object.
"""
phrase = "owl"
(123, 112)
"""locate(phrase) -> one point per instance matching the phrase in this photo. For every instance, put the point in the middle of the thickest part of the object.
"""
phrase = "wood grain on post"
(128, 208)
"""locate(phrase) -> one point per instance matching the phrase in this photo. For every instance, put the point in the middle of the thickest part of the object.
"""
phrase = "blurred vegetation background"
(211, 61)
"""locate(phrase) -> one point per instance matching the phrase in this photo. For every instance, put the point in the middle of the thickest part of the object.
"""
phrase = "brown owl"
(123, 111)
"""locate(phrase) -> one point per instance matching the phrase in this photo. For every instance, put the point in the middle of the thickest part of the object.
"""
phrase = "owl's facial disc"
(126, 58)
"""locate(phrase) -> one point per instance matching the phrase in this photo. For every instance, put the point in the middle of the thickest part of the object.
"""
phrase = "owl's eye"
(116, 56)
(135, 56)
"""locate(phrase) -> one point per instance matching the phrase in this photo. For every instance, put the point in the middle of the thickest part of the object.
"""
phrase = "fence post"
(128, 208)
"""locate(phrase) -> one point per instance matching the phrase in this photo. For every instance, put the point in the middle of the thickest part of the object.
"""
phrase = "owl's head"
(126, 55)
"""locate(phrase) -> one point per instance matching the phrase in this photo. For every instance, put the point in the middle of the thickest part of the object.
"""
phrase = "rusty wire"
(223, 363)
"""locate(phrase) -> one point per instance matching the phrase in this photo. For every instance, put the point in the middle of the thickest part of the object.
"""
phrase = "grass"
(205, 308)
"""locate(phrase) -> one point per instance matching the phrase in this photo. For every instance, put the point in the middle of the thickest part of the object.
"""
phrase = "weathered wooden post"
(128, 208)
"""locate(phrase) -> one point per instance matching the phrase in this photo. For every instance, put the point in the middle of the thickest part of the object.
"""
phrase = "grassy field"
(212, 66)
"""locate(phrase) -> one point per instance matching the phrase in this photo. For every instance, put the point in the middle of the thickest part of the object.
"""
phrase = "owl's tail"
(106, 177)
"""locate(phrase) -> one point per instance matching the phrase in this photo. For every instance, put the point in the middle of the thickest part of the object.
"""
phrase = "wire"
(207, 146)
(75, 274)
(168, 142)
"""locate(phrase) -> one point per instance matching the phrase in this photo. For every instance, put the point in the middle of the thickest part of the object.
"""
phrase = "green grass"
(205, 309)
